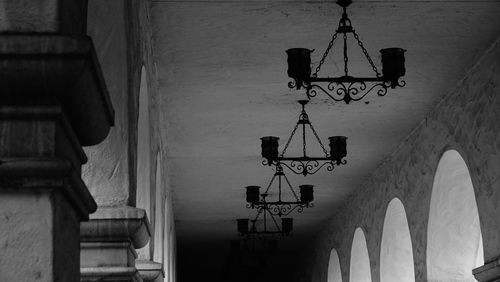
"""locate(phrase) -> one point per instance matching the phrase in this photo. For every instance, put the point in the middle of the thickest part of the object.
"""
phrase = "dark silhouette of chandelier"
(279, 207)
(346, 88)
(261, 228)
(304, 164)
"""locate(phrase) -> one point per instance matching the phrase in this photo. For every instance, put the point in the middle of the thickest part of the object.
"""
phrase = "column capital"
(108, 242)
(48, 70)
(111, 224)
(39, 174)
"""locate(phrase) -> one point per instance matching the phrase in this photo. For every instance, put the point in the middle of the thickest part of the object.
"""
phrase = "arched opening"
(159, 214)
(144, 159)
(167, 245)
(396, 255)
(360, 261)
(454, 240)
(334, 273)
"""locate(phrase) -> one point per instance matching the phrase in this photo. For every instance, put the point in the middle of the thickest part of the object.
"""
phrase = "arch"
(334, 273)
(167, 245)
(143, 198)
(159, 214)
(360, 261)
(454, 240)
(396, 254)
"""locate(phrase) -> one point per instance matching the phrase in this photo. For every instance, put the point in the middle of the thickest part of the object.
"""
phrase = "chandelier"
(346, 87)
(304, 164)
(261, 228)
(279, 207)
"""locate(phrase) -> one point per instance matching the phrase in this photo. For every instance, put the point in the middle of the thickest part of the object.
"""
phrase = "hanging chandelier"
(346, 88)
(261, 228)
(255, 200)
(304, 164)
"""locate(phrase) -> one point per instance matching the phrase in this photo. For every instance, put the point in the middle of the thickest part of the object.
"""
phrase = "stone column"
(489, 272)
(53, 101)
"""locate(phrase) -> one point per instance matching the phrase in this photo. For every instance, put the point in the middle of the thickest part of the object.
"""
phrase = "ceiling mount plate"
(344, 3)
(303, 102)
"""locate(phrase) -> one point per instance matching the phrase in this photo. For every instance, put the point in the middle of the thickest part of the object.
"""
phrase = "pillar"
(53, 101)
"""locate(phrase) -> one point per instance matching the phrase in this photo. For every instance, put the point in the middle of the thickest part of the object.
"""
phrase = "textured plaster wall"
(466, 120)
(121, 31)
(38, 237)
(107, 172)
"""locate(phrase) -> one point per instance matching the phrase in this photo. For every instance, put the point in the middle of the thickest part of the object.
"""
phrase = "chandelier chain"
(346, 59)
(270, 183)
(330, 45)
(356, 36)
(304, 139)
(275, 222)
(291, 188)
(319, 140)
(289, 140)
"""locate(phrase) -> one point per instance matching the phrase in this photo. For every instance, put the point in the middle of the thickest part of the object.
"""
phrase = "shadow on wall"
(454, 240)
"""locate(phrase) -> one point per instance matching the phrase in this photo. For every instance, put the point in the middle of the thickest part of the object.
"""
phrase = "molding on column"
(19, 174)
(108, 242)
(63, 70)
(109, 273)
(149, 270)
(112, 224)
(489, 272)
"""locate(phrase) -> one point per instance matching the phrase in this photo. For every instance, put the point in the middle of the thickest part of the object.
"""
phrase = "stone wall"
(466, 120)
(106, 173)
(121, 31)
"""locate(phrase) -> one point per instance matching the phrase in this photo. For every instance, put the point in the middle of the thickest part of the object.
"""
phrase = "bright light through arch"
(143, 189)
(334, 273)
(396, 255)
(360, 261)
(454, 240)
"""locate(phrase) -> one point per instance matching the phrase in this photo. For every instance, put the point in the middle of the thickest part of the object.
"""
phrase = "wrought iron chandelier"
(255, 200)
(345, 87)
(304, 164)
(266, 228)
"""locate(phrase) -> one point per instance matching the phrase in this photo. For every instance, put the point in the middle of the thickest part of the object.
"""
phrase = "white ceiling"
(222, 70)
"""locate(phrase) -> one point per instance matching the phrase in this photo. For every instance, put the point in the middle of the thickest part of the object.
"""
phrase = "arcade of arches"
(85, 164)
